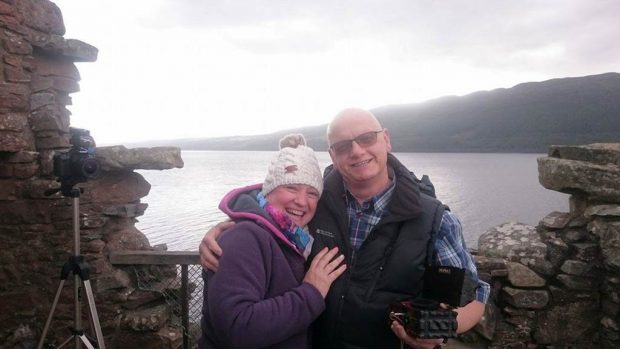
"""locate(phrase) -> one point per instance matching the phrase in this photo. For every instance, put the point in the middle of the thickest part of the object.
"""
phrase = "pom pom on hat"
(295, 163)
(292, 140)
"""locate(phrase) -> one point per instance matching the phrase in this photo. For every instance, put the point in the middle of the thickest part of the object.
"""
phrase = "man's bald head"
(351, 116)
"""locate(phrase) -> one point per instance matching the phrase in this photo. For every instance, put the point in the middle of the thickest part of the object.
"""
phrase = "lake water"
(484, 190)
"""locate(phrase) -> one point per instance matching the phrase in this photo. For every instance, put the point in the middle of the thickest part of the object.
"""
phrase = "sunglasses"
(364, 140)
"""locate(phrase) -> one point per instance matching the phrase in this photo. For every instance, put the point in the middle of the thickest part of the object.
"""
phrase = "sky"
(171, 69)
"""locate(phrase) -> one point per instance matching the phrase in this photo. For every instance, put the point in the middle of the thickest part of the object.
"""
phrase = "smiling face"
(298, 201)
(363, 166)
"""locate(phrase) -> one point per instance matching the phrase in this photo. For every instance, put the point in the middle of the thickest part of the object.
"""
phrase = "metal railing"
(180, 284)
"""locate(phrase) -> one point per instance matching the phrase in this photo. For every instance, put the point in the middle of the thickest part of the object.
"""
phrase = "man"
(373, 210)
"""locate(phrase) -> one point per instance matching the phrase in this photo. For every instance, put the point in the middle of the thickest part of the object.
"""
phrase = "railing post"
(182, 258)
(185, 305)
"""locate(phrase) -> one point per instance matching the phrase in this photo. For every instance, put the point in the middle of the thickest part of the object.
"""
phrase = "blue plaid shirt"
(450, 245)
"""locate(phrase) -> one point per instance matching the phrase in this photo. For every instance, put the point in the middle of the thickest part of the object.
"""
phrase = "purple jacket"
(257, 298)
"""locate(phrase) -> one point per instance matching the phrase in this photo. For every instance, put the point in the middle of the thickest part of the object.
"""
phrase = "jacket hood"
(241, 204)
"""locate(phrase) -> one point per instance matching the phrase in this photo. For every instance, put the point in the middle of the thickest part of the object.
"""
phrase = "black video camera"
(78, 164)
(423, 317)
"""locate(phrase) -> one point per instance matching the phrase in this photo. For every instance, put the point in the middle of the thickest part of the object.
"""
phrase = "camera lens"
(89, 168)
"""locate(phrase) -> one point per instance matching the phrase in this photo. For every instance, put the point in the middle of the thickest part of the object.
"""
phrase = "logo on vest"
(329, 234)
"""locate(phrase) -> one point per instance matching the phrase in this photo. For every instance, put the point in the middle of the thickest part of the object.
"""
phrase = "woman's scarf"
(298, 236)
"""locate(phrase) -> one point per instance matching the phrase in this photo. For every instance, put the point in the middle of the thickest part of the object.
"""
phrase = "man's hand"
(415, 343)
(210, 250)
(324, 269)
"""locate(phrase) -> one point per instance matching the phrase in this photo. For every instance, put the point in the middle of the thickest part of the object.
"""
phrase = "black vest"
(388, 267)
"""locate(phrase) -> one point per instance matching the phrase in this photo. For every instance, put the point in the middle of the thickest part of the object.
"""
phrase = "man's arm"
(451, 250)
(210, 251)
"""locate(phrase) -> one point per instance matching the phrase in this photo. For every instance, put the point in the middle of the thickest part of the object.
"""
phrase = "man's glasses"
(364, 140)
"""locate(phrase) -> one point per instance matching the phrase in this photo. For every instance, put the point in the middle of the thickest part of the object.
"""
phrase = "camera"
(423, 317)
(78, 164)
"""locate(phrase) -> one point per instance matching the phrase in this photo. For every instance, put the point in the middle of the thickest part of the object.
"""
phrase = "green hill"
(525, 118)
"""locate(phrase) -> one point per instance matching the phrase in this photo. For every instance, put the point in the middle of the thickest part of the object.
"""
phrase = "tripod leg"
(93, 314)
(78, 337)
(86, 342)
(49, 317)
(65, 342)
(77, 307)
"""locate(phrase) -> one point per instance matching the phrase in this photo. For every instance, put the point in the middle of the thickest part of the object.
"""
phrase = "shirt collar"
(378, 202)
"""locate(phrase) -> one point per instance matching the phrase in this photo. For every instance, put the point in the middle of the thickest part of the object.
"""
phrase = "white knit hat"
(295, 163)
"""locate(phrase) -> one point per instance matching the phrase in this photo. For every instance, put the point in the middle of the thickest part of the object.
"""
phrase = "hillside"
(525, 118)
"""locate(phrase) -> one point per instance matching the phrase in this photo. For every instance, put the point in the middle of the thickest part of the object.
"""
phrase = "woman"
(261, 296)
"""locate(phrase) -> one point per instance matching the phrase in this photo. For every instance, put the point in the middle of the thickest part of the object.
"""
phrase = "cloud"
(487, 33)
(256, 66)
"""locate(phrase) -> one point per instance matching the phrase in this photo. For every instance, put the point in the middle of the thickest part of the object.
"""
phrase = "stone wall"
(557, 285)
(37, 75)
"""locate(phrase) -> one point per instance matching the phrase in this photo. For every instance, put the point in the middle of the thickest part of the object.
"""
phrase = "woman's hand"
(324, 269)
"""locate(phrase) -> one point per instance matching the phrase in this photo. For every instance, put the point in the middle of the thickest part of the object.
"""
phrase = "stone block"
(577, 177)
(119, 158)
(556, 220)
(114, 280)
(25, 171)
(9, 189)
(597, 153)
(47, 140)
(562, 295)
(16, 44)
(16, 74)
(586, 252)
(46, 161)
(14, 97)
(150, 319)
(75, 50)
(15, 122)
(58, 83)
(521, 276)
(25, 212)
(577, 204)
(50, 118)
(40, 99)
(567, 323)
(603, 211)
(575, 235)
(127, 210)
(56, 67)
(529, 299)
(127, 239)
(577, 282)
(166, 337)
(43, 16)
(139, 298)
(21, 157)
(514, 242)
(486, 326)
(609, 240)
(557, 251)
(6, 170)
(610, 308)
(116, 188)
(579, 268)
(93, 246)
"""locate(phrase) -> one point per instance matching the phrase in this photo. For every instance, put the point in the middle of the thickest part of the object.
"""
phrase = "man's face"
(362, 164)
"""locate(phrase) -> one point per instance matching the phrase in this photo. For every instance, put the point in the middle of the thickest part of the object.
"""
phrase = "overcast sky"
(172, 69)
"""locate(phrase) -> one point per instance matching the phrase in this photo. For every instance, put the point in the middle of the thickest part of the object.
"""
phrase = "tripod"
(81, 271)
